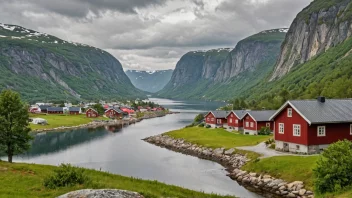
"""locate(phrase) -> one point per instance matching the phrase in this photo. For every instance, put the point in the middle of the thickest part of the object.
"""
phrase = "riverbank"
(65, 122)
(26, 180)
(220, 147)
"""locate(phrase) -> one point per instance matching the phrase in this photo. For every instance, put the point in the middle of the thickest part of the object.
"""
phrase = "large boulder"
(103, 193)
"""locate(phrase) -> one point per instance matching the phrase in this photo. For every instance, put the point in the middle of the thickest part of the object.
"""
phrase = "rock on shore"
(263, 184)
(104, 193)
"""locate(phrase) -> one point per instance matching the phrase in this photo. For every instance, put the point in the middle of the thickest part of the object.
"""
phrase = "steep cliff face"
(225, 73)
(43, 67)
(320, 26)
(150, 81)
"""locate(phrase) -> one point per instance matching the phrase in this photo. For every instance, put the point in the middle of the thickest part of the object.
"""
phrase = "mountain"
(150, 81)
(224, 73)
(315, 58)
(44, 67)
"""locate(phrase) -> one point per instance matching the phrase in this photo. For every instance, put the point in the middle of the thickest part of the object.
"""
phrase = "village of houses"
(298, 126)
(112, 110)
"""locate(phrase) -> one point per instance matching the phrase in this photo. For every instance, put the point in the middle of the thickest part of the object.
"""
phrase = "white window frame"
(297, 130)
(321, 131)
(289, 112)
(268, 124)
(350, 129)
(230, 120)
(212, 119)
(247, 124)
(236, 121)
(218, 121)
(281, 128)
(252, 124)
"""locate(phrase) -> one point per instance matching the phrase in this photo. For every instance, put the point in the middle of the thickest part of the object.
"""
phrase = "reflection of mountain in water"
(57, 141)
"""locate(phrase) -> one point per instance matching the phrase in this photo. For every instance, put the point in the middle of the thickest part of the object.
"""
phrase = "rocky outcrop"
(206, 74)
(315, 30)
(263, 184)
(103, 193)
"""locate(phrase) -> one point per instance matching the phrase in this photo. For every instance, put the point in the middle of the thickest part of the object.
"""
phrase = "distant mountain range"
(150, 81)
(43, 67)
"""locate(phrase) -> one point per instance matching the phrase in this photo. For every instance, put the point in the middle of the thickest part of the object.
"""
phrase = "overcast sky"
(151, 34)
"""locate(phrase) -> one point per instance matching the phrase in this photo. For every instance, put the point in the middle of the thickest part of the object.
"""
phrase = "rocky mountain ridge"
(150, 81)
(44, 67)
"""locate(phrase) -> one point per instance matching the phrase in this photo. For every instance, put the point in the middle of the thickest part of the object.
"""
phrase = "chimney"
(321, 99)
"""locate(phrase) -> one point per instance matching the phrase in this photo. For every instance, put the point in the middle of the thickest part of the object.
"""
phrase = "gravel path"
(262, 149)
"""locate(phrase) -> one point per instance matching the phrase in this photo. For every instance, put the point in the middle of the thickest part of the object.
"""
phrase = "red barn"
(114, 113)
(254, 121)
(234, 119)
(309, 126)
(216, 118)
(92, 113)
(55, 110)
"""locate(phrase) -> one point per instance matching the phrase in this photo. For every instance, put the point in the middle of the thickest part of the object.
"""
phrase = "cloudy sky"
(151, 34)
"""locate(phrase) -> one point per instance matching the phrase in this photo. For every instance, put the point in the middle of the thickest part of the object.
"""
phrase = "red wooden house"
(55, 110)
(254, 121)
(114, 113)
(92, 113)
(216, 118)
(309, 126)
(234, 120)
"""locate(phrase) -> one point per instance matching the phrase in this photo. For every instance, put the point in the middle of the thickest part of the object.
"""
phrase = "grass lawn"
(216, 138)
(62, 120)
(26, 180)
(289, 168)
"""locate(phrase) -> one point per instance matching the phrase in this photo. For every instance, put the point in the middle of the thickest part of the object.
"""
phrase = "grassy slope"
(26, 180)
(62, 120)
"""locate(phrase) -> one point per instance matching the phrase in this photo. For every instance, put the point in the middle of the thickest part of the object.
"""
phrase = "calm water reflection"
(121, 151)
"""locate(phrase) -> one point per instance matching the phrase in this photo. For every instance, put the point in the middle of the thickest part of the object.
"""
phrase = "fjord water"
(122, 151)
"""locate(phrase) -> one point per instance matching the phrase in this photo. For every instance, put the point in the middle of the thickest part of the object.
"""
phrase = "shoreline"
(102, 123)
(261, 184)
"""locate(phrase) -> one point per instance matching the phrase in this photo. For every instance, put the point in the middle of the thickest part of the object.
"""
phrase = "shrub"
(272, 146)
(208, 126)
(66, 175)
(201, 125)
(190, 125)
(334, 170)
(264, 131)
(199, 118)
(269, 141)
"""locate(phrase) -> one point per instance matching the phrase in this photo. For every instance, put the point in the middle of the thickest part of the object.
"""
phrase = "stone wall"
(262, 184)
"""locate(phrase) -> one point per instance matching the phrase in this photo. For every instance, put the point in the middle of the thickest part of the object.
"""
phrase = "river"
(121, 151)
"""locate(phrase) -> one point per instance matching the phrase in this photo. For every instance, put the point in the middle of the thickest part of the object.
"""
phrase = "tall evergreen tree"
(14, 124)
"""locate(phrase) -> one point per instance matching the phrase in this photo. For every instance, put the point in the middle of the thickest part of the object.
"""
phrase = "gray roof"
(238, 113)
(220, 114)
(116, 109)
(44, 107)
(331, 111)
(74, 109)
(55, 109)
(261, 116)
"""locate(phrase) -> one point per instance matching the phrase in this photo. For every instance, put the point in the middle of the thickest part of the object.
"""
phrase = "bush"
(264, 131)
(333, 172)
(272, 146)
(201, 125)
(199, 118)
(190, 125)
(208, 126)
(66, 175)
(269, 141)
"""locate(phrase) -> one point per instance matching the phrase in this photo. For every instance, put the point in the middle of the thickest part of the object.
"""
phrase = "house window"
(281, 128)
(247, 124)
(297, 147)
(218, 121)
(296, 130)
(351, 129)
(236, 121)
(212, 119)
(321, 131)
(252, 124)
(208, 119)
(268, 124)
(289, 112)
(230, 120)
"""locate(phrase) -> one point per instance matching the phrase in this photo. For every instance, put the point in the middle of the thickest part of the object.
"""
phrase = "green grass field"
(62, 120)
(216, 138)
(26, 180)
(289, 168)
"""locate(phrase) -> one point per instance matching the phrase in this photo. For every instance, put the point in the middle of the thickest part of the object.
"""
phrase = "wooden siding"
(231, 121)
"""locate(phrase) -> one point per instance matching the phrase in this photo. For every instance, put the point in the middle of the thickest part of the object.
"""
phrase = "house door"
(218, 121)
(286, 147)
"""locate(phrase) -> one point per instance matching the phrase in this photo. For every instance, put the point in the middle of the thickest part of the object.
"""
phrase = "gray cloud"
(151, 34)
